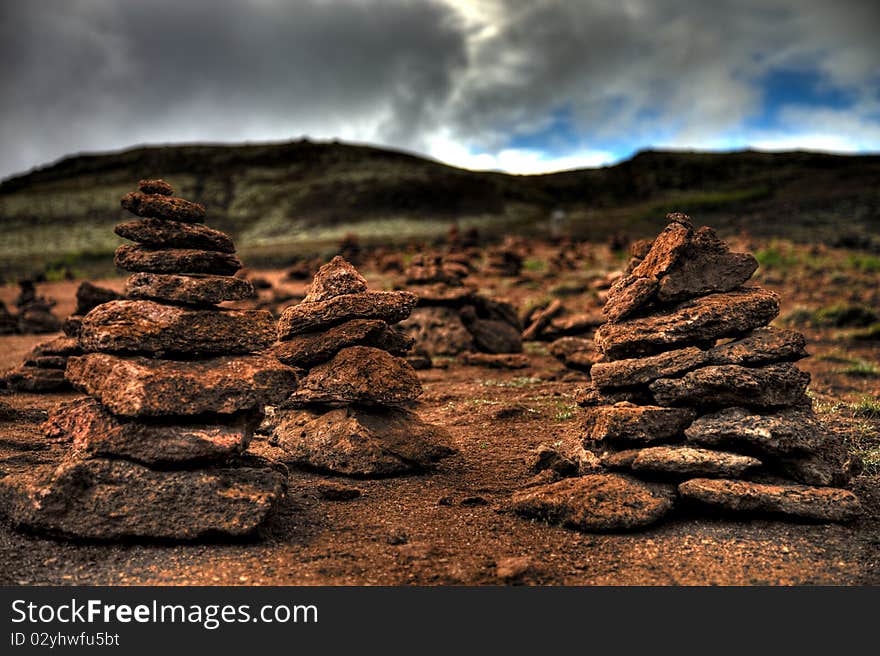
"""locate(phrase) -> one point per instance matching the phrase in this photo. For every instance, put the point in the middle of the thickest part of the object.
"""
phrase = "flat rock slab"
(90, 296)
(137, 326)
(188, 289)
(699, 321)
(113, 499)
(824, 504)
(627, 422)
(443, 294)
(175, 260)
(62, 345)
(94, 431)
(495, 360)
(389, 307)
(307, 350)
(781, 433)
(161, 233)
(360, 374)
(361, 442)
(336, 278)
(491, 336)
(439, 331)
(155, 187)
(682, 461)
(161, 206)
(761, 346)
(142, 387)
(595, 503)
(627, 295)
(771, 386)
(36, 379)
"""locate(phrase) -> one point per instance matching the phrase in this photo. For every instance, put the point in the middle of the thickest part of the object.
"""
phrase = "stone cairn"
(35, 314)
(451, 318)
(350, 413)
(43, 368)
(506, 259)
(699, 399)
(174, 395)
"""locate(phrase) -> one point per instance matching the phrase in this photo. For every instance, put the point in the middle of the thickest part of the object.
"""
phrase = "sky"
(525, 86)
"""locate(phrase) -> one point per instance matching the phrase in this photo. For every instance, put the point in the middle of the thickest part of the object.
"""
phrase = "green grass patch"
(534, 264)
(863, 262)
(841, 315)
(866, 407)
(519, 381)
(861, 368)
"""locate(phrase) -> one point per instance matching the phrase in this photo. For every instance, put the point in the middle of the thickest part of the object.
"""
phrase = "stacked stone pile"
(506, 259)
(174, 394)
(700, 398)
(35, 314)
(43, 368)
(350, 414)
(451, 317)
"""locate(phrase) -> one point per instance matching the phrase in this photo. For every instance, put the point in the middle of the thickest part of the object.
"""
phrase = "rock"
(829, 464)
(96, 432)
(626, 422)
(61, 345)
(495, 310)
(665, 250)
(419, 359)
(142, 387)
(36, 379)
(336, 278)
(643, 370)
(8, 322)
(565, 346)
(491, 336)
(627, 295)
(161, 206)
(332, 491)
(359, 374)
(705, 266)
(698, 321)
(307, 350)
(541, 318)
(148, 327)
(439, 331)
(596, 502)
(161, 233)
(112, 499)
(439, 294)
(361, 442)
(761, 346)
(815, 503)
(770, 386)
(89, 296)
(787, 432)
(549, 457)
(36, 319)
(389, 307)
(589, 396)
(72, 325)
(515, 568)
(46, 361)
(683, 461)
(175, 260)
(188, 289)
(156, 187)
(495, 360)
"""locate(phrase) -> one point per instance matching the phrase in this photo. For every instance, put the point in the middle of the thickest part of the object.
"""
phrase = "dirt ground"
(451, 526)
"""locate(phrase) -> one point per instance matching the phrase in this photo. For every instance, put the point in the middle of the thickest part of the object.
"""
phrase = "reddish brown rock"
(36, 379)
(389, 307)
(361, 442)
(89, 296)
(148, 327)
(491, 336)
(188, 289)
(495, 360)
(595, 503)
(175, 260)
(360, 374)
(666, 248)
(46, 361)
(336, 278)
(761, 346)
(161, 233)
(822, 504)
(156, 187)
(627, 295)
(307, 350)
(142, 387)
(682, 461)
(111, 499)
(439, 331)
(94, 431)
(771, 386)
(698, 321)
(627, 422)
(161, 206)
(640, 371)
(61, 345)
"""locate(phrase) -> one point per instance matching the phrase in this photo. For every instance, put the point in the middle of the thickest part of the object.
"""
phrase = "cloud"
(520, 85)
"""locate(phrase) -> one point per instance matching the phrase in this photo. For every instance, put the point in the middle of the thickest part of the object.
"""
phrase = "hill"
(279, 200)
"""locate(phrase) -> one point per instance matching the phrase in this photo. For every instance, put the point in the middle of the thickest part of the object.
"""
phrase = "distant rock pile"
(700, 399)
(43, 369)
(349, 414)
(174, 395)
(35, 314)
(451, 317)
(506, 259)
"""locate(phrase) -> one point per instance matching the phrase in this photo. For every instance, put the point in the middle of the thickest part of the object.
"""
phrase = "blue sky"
(523, 86)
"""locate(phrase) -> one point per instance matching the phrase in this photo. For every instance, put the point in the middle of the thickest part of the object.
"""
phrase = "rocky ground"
(453, 526)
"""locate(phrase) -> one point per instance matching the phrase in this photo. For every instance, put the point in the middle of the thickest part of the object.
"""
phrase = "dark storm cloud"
(466, 81)
(93, 75)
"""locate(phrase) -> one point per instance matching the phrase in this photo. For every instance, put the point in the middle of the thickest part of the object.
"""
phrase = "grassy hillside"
(280, 200)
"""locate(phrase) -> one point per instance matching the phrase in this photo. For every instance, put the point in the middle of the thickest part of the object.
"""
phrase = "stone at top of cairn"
(159, 187)
(154, 199)
(336, 278)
